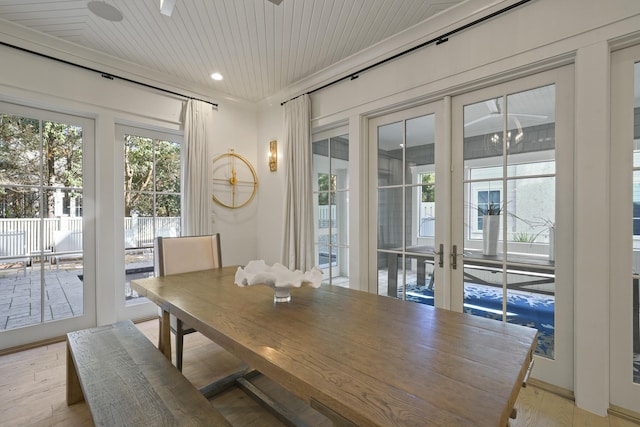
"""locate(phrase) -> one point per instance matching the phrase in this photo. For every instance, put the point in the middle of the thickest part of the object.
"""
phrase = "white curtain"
(297, 247)
(198, 131)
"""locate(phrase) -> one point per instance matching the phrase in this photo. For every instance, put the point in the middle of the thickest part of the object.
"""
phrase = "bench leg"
(74, 390)
(422, 272)
(392, 276)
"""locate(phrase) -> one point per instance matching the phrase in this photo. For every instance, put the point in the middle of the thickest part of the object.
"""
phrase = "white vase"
(490, 230)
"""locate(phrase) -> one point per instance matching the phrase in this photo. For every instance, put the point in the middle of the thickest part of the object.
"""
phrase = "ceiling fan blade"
(488, 116)
(492, 105)
(481, 119)
(166, 7)
(531, 116)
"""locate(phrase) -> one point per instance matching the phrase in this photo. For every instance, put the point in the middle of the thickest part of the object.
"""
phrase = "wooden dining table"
(357, 357)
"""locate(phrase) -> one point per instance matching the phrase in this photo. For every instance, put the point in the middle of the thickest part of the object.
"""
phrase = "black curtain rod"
(437, 40)
(105, 75)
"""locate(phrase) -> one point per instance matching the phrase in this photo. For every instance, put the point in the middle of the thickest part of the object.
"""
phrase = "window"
(152, 199)
(427, 205)
(487, 201)
(331, 207)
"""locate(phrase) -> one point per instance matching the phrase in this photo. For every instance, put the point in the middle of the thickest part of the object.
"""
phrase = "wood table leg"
(166, 334)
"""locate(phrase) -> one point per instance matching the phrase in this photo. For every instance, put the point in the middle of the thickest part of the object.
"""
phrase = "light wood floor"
(32, 392)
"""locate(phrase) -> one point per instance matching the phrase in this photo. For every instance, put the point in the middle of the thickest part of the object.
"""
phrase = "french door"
(625, 229)
(409, 204)
(47, 264)
(477, 219)
(511, 229)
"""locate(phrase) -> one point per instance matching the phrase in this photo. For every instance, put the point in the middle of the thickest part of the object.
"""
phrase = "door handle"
(440, 254)
(454, 257)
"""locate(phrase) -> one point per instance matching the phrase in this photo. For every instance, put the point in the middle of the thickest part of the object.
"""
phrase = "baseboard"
(53, 340)
(562, 392)
(31, 345)
(624, 413)
(614, 410)
(144, 319)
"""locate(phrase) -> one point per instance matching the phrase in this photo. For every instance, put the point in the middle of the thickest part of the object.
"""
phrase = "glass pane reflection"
(635, 303)
(390, 154)
(509, 167)
(331, 207)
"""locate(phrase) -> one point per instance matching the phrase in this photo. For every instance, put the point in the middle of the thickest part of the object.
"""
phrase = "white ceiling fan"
(496, 111)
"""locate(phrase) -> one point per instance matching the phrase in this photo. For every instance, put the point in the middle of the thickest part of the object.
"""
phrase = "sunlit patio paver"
(20, 296)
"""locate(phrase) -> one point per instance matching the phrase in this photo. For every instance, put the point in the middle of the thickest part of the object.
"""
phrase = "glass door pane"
(635, 281)
(509, 210)
(41, 224)
(625, 230)
(331, 207)
(152, 200)
(406, 208)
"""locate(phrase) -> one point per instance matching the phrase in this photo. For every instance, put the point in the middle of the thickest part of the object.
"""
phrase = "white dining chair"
(177, 255)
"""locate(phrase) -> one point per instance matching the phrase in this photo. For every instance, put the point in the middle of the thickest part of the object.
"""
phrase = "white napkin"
(278, 276)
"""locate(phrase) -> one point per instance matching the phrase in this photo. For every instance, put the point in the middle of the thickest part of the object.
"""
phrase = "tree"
(428, 190)
(37, 155)
(152, 167)
(18, 165)
(326, 188)
(62, 146)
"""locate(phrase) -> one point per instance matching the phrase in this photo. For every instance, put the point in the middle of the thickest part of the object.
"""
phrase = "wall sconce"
(273, 155)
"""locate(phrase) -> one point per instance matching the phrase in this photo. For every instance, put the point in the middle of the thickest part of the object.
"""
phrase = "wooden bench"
(126, 381)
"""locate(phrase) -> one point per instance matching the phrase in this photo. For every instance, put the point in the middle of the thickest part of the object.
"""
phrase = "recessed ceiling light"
(105, 11)
(216, 76)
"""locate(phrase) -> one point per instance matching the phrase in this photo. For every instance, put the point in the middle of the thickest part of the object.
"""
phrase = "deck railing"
(33, 229)
(139, 231)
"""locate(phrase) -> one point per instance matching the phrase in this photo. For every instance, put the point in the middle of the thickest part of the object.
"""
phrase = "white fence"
(323, 216)
(139, 231)
(32, 229)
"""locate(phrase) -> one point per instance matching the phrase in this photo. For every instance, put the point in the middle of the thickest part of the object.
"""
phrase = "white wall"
(537, 36)
(236, 127)
(270, 195)
(39, 82)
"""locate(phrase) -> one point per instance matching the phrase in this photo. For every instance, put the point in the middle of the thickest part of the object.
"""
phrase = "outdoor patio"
(20, 295)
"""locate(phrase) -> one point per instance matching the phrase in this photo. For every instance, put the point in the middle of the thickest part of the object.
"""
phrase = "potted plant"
(547, 227)
(552, 242)
(490, 228)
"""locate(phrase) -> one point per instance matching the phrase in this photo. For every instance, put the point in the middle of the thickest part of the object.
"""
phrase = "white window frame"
(343, 251)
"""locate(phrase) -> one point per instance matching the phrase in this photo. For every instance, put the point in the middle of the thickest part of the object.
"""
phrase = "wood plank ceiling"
(258, 47)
